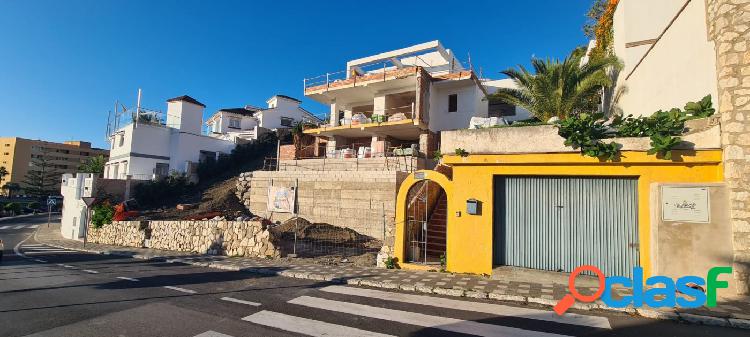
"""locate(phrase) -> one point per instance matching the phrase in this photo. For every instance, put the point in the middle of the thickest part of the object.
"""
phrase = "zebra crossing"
(444, 315)
(15, 227)
(39, 249)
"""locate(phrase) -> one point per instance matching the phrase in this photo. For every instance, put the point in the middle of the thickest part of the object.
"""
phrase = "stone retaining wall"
(231, 238)
(124, 233)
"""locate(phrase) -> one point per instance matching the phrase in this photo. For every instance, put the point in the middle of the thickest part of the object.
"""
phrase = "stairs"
(436, 228)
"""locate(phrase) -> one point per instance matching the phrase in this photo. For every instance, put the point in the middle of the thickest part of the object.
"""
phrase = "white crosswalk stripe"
(495, 309)
(234, 300)
(418, 319)
(37, 249)
(306, 326)
(18, 226)
(212, 334)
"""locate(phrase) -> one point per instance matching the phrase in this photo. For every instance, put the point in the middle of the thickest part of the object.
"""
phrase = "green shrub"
(157, 192)
(34, 205)
(700, 109)
(102, 214)
(13, 207)
(242, 158)
(390, 263)
(584, 132)
(461, 152)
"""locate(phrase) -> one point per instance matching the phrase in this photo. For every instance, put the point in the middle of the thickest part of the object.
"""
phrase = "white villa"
(153, 147)
(250, 122)
(398, 101)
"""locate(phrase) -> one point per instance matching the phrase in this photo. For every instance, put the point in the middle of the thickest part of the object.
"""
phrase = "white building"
(250, 122)
(401, 99)
(668, 57)
(154, 146)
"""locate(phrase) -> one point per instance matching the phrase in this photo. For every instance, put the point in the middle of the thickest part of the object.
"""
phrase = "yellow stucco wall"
(469, 237)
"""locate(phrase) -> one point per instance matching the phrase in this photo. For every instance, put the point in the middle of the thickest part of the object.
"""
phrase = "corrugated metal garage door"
(560, 223)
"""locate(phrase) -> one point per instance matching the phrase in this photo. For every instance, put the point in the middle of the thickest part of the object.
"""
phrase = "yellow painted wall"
(469, 237)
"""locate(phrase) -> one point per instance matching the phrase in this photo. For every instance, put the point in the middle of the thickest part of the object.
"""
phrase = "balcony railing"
(372, 71)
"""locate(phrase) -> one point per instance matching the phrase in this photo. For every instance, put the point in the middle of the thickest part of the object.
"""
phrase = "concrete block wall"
(363, 201)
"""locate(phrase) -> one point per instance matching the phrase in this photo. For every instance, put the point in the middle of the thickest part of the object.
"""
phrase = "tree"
(3, 173)
(11, 188)
(43, 176)
(593, 16)
(558, 88)
(93, 165)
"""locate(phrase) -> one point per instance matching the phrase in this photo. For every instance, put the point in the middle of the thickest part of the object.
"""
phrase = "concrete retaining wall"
(363, 201)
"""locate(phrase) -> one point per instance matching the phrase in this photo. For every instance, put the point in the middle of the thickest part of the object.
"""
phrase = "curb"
(454, 292)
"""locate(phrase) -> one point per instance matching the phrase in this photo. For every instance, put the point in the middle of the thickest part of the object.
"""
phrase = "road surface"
(46, 291)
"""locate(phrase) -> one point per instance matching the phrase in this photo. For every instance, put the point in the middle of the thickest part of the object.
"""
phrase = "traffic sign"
(51, 202)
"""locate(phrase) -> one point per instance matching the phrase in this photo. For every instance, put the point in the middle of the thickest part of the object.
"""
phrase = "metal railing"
(404, 159)
(383, 68)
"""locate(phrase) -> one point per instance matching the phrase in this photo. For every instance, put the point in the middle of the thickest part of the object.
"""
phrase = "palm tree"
(558, 88)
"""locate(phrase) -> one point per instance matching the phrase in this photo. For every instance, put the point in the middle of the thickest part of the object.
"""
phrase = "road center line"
(128, 279)
(229, 299)
(91, 271)
(40, 260)
(188, 291)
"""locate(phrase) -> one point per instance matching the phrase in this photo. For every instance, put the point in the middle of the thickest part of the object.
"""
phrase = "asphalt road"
(54, 292)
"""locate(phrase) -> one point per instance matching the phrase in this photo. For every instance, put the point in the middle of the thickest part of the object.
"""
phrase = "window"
(6, 153)
(286, 121)
(500, 109)
(122, 140)
(453, 103)
(234, 123)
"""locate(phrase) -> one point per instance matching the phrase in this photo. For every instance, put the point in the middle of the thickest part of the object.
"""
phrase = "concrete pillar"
(334, 114)
(378, 103)
(728, 26)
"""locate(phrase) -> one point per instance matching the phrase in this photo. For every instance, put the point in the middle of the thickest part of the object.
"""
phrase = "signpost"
(88, 201)
(50, 202)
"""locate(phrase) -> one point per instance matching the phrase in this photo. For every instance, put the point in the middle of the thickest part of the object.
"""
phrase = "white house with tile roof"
(250, 122)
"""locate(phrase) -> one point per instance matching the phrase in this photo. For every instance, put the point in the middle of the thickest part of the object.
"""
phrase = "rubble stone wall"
(231, 238)
(123, 233)
(728, 24)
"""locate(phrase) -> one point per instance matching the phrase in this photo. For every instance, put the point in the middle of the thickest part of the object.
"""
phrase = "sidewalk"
(734, 312)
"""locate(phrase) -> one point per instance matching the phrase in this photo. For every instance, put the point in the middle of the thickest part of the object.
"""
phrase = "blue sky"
(64, 63)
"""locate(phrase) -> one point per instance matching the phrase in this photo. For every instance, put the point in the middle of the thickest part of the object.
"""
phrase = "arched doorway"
(425, 226)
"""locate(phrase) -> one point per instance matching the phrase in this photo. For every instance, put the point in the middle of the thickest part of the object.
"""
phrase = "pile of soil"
(317, 231)
(216, 200)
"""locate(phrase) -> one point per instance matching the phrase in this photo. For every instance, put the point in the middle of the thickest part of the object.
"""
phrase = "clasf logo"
(688, 285)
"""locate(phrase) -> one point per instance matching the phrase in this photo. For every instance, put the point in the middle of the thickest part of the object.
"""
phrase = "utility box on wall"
(690, 229)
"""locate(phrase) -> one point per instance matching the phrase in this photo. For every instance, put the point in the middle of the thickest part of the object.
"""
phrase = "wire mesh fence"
(300, 238)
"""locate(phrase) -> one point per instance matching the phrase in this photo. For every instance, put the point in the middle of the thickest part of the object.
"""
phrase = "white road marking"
(181, 289)
(35, 252)
(4, 227)
(68, 266)
(495, 309)
(306, 326)
(229, 299)
(40, 248)
(413, 318)
(19, 227)
(40, 260)
(128, 279)
(212, 334)
(34, 245)
(33, 226)
(91, 271)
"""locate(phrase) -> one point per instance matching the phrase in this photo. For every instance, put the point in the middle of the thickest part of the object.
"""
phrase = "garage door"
(560, 223)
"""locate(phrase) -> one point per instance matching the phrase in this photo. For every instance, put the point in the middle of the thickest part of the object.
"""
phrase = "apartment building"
(397, 102)
(17, 156)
